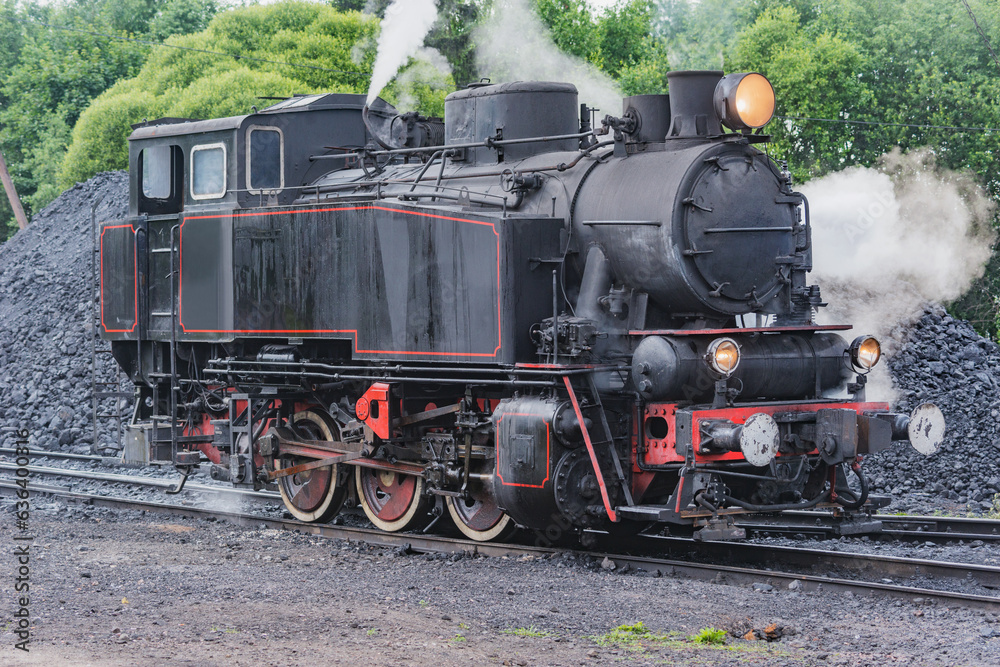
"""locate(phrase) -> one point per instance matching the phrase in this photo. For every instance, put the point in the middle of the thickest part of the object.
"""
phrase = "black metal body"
(286, 259)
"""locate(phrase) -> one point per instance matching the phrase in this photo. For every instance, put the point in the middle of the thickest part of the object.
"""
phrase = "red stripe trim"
(590, 450)
(354, 332)
(135, 281)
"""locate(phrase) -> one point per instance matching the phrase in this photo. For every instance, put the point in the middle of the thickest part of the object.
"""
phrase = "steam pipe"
(595, 284)
(778, 508)
(371, 131)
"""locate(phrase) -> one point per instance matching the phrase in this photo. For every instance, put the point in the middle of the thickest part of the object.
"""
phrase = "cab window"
(265, 159)
(208, 171)
(161, 178)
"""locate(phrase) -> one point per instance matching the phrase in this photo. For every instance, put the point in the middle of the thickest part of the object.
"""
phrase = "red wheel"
(314, 495)
(478, 517)
(392, 501)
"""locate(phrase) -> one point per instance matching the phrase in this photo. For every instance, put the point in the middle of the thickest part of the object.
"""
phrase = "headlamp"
(723, 356)
(865, 352)
(744, 101)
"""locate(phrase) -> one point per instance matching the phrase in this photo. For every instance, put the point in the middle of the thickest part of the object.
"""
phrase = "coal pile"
(943, 360)
(46, 319)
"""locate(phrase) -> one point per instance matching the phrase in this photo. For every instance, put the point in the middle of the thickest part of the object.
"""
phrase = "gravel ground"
(124, 588)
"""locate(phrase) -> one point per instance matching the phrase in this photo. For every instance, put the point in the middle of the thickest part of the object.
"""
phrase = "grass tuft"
(530, 631)
(712, 636)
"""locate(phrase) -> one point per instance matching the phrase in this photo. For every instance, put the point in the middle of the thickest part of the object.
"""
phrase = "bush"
(337, 48)
(100, 137)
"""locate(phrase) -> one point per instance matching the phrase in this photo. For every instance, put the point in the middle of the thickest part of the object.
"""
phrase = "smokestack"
(692, 104)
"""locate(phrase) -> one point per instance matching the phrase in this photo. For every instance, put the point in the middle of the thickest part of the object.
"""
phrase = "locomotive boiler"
(516, 316)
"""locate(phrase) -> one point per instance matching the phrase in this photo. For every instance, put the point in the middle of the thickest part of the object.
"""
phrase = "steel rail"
(938, 529)
(40, 453)
(955, 528)
(420, 543)
(140, 481)
(869, 565)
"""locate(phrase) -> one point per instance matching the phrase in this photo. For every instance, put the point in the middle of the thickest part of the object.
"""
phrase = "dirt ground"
(127, 588)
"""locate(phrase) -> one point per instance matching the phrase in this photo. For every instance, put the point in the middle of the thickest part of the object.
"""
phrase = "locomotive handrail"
(487, 143)
(804, 328)
(543, 369)
(396, 378)
(806, 220)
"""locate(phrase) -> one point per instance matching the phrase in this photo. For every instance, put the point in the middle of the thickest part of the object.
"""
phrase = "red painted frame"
(135, 280)
(665, 450)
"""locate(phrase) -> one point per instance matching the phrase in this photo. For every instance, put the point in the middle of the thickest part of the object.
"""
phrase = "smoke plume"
(430, 71)
(514, 45)
(887, 241)
(404, 27)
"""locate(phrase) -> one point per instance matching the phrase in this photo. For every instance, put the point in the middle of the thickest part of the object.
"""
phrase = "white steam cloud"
(430, 70)
(888, 241)
(404, 27)
(514, 45)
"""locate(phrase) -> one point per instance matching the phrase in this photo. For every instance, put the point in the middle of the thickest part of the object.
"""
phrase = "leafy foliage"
(621, 41)
(284, 49)
(53, 62)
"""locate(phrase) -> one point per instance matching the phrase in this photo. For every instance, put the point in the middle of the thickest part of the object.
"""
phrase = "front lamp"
(865, 352)
(723, 356)
(744, 101)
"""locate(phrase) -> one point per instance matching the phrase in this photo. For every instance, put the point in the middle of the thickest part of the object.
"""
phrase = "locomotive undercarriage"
(411, 443)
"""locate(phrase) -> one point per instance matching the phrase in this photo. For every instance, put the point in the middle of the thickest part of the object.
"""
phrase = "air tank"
(511, 111)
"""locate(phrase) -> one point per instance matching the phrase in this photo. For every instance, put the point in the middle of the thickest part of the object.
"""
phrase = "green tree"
(815, 75)
(182, 17)
(53, 62)
(55, 75)
(621, 41)
(284, 48)
(451, 35)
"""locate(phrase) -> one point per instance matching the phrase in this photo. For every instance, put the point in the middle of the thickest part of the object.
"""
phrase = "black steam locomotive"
(516, 317)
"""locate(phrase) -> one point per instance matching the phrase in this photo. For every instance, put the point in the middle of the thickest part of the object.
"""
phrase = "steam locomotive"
(517, 316)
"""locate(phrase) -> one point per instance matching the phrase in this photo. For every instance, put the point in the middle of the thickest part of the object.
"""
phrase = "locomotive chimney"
(692, 106)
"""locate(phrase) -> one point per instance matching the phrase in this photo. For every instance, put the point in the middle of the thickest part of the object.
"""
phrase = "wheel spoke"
(313, 495)
(479, 517)
(392, 501)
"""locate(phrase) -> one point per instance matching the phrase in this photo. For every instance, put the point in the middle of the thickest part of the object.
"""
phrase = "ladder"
(604, 441)
(177, 455)
(105, 384)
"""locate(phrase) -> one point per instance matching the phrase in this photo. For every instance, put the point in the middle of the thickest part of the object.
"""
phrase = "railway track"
(42, 453)
(937, 529)
(728, 562)
(95, 476)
